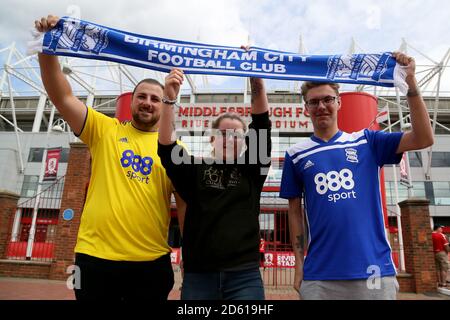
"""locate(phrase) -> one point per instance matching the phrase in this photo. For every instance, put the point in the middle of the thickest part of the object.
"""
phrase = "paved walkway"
(39, 289)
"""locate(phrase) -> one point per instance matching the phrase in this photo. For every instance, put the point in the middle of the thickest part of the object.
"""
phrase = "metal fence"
(278, 262)
(39, 213)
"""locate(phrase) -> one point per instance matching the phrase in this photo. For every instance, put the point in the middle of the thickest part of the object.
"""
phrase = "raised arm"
(260, 104)
(297, 234)
(167, 121)
(421, 134)
(55, 83)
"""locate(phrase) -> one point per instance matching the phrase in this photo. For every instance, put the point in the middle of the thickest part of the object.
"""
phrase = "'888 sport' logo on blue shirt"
(138, 164)
(339, 183)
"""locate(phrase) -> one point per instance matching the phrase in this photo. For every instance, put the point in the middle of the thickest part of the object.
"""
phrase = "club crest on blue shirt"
(352, 155)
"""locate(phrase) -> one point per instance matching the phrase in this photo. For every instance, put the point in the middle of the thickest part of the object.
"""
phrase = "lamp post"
(403, 127)
(31, 237)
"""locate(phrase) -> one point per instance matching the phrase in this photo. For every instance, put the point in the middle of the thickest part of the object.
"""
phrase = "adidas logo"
(124, 140)
(308, 165)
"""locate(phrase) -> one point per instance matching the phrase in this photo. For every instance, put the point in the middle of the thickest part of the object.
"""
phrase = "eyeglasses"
(229, 134)
(327, 101)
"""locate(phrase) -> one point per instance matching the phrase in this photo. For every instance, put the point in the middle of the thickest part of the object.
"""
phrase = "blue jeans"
(225, 285)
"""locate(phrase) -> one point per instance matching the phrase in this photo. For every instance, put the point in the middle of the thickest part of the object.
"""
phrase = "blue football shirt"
(339, 181)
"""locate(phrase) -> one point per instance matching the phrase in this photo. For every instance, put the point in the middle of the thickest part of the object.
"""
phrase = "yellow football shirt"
(127, 211)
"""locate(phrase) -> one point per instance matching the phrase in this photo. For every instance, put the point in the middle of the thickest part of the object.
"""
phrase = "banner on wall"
(51, 164)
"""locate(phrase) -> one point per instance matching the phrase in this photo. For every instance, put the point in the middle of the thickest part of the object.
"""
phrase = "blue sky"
(327, 27)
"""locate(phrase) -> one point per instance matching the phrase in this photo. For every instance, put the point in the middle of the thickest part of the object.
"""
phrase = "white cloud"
(213, 21)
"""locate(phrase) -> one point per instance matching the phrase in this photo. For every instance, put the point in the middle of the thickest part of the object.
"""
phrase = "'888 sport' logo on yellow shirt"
(138, 165)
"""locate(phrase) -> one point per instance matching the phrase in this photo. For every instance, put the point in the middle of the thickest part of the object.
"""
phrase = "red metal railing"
(48, 210)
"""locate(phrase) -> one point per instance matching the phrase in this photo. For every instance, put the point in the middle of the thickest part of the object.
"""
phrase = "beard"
(145, 121)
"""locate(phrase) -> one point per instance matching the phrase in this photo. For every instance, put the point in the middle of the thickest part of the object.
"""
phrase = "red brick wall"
(8, 205)
(418, 246)
(24, 269)
(77, 177)
(405, 282)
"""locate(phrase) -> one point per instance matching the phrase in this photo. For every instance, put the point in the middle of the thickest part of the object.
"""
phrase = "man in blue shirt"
(337, 175)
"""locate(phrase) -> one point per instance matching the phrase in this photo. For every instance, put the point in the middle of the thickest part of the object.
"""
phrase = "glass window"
(35, 154)
(52, 190)
(283, 98)
(429, 192)
(29, 186)
(390, 192)
(64, 155)
(418, 189)
(415, 159)
(441, 193)
(266, 221)
(402, 192)
(269, 194)
(274, 175)
(219, 98)
(440, 159)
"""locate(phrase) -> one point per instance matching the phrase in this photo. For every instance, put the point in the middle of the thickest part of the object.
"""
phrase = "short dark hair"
(308, 85)
(149, 81)
(437, 226)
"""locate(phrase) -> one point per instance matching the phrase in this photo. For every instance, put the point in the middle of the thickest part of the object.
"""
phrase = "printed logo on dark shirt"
(220, 179)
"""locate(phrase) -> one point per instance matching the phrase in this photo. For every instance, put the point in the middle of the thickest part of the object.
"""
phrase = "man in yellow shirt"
(122, 249)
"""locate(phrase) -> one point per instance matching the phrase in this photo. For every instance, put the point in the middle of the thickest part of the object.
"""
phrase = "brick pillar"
(77, 177)
(418, 246)
(8, 206)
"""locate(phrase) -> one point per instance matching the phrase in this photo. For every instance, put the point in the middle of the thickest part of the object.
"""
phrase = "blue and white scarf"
(78, 38)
